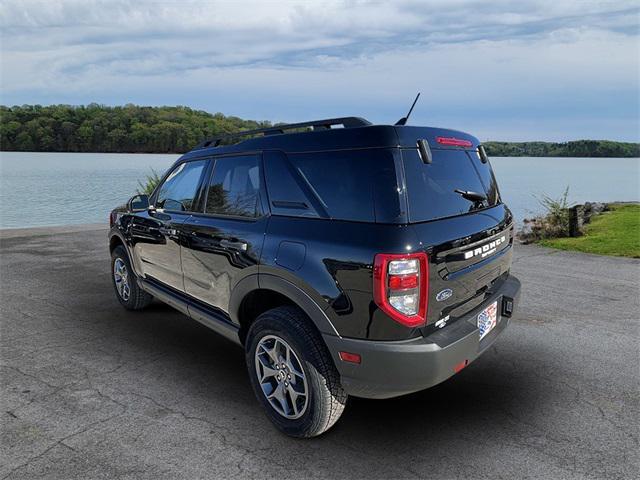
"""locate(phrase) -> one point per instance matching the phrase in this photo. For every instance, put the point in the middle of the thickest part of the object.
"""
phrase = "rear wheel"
(292, 373)
(129, 294)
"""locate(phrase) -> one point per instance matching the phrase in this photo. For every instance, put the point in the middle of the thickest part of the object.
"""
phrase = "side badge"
(444, 294)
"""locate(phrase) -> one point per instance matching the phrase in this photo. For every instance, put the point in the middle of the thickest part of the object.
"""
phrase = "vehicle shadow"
(483, 395)
(495, 401)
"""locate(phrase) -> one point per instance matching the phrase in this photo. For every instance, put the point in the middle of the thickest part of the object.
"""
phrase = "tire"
(133, 297)
(325, 399)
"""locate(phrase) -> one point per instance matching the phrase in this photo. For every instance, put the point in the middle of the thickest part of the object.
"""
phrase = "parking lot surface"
(90, 390)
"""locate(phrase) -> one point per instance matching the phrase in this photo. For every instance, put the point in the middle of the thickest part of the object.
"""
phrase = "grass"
(616, 232)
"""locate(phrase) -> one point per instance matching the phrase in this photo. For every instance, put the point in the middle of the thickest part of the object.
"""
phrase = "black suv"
(346, 258)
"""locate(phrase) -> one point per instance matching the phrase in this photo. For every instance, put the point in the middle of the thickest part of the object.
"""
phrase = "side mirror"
(138, 203)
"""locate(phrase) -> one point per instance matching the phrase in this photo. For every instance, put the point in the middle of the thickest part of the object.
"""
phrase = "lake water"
(41, 189)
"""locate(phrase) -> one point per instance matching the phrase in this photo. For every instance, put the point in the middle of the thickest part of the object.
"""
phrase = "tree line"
(137, 129)
(578, 148)
(99, 128)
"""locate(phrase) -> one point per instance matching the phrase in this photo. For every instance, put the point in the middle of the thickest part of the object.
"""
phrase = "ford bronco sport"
(366, 260)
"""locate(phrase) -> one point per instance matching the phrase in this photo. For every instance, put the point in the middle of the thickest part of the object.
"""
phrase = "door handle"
(235, 245)
(169, 232)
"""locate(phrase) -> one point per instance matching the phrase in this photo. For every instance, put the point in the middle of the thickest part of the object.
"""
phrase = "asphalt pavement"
(89, 390)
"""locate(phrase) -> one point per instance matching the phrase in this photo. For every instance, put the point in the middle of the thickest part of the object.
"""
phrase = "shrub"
(556, 219)
(553, 223)
(150, 183)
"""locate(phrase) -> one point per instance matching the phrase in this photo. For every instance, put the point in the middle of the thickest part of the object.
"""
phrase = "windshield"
(431, 188)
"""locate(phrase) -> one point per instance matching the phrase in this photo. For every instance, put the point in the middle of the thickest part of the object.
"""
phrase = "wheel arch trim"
(115, 236)
(286, 288)
(116, 233)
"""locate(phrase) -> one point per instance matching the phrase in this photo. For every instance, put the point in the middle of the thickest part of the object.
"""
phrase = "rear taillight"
(401, 285)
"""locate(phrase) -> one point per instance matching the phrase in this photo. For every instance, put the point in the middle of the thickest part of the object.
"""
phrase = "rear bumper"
(391, 369)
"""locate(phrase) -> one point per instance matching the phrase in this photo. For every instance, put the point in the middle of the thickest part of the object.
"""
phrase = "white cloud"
(476, 63)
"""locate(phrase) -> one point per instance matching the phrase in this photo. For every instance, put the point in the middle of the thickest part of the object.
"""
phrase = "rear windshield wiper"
(472, 196)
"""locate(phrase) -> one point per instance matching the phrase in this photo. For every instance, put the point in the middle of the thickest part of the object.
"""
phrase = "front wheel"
(129, 294)
(292, 373)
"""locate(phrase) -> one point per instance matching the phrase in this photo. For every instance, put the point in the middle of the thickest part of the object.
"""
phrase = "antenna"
(403, 120)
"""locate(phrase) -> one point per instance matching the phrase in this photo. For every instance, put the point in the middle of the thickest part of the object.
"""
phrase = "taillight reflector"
(401, 285)
(350, 357)
(454, 142)
(460, 366)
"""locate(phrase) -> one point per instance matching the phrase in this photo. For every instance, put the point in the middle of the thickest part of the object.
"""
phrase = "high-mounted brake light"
(454, 142)
(401, 285)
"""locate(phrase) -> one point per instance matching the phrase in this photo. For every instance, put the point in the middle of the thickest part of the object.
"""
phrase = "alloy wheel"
(121, 277)
(281, 377)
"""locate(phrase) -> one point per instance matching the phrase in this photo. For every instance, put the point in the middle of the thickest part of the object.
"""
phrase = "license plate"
(487, 319)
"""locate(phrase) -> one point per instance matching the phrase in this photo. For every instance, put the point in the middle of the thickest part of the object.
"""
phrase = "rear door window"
(431, 187)
(234, 188)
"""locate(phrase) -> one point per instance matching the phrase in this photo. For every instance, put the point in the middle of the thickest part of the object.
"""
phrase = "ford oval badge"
(444, 294)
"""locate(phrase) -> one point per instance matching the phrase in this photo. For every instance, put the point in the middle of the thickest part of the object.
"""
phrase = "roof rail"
(347, 122)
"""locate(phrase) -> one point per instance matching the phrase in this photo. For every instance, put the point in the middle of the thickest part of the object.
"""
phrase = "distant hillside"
(135, 129)
(97, 128)
(578, 148)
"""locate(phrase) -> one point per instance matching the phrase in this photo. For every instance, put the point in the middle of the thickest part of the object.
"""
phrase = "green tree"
(578, 148)
(132, 128)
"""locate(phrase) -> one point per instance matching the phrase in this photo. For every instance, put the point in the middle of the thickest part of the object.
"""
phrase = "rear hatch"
(468, 240)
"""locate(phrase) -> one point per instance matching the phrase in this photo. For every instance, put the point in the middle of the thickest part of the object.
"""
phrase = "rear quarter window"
(356, 185)
(431, 187)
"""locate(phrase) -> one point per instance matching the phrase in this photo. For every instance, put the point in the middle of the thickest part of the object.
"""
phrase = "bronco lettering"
(485, 250)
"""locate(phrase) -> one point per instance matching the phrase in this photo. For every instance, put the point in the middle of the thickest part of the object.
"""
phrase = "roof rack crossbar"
(347, 122)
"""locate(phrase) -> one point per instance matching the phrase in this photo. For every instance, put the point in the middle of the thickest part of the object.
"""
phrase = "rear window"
(357, 185)
(488, 179)
(431, 187)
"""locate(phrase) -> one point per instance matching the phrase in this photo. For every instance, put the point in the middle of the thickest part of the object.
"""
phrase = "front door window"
(178, 192)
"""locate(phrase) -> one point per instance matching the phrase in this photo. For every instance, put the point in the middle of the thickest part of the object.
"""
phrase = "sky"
(502, 70)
